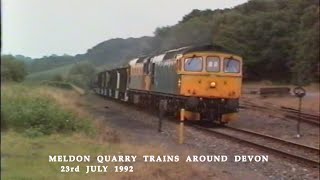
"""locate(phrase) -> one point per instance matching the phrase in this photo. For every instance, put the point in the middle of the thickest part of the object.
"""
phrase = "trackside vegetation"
(38, 110)
(44, 120)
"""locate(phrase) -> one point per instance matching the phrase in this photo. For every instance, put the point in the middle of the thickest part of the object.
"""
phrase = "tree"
(12, 69)
(307, 58)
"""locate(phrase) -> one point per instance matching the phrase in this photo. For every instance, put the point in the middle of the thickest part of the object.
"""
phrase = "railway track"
(287, 149)
(294, 114)
(288, 113)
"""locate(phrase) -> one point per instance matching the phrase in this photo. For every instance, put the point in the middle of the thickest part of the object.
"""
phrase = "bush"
(79, 80)
(12, 69)
(81, 74)
(57, 77)
(25, 109)
(58, 84)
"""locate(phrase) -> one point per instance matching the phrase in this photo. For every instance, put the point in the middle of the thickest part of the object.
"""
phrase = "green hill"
(278, 40)
(49, 74)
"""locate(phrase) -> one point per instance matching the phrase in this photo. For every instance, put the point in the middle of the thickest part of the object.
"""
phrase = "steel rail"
(309, 161)
(275, 139)
(287, 114)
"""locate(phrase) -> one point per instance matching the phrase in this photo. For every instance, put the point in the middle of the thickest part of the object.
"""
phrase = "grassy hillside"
(62, 71)
(49, 74)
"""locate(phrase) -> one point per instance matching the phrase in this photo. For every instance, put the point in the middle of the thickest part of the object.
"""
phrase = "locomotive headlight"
(212, 84)
(179, 82)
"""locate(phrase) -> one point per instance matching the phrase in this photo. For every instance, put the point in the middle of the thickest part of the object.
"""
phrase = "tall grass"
(38, 110)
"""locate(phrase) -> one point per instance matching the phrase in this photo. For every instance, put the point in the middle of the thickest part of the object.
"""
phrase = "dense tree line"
(44, 63)
(278, 39)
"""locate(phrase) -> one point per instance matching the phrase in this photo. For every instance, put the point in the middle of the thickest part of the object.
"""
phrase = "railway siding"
(283, 112)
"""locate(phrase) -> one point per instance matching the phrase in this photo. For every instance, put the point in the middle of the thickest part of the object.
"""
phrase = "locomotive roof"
(173, 52)
(157, 58)
(183, 50)
(208, 47)
(141, 59)
(133, 61)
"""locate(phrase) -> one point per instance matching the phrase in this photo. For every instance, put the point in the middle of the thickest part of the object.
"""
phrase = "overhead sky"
(37, 28)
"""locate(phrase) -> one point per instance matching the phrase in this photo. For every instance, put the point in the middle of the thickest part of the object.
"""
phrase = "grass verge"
(37, 127)
(37, 110)
(27, 158)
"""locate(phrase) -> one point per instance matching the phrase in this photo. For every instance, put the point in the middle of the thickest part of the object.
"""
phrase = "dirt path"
(137, 127)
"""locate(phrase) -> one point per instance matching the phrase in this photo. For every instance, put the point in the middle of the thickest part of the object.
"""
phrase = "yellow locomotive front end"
(212, 81)
(211, 75)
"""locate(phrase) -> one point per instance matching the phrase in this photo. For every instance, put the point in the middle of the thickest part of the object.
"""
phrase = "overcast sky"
(43, 27)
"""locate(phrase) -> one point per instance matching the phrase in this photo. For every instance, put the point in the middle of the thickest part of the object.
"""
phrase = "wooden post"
(181, 127)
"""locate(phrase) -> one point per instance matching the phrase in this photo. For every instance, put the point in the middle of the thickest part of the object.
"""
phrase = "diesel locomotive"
(204, 81)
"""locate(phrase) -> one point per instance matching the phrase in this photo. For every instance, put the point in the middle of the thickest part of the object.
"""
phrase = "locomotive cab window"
(213, 64)
(193, 64)
(231, 66)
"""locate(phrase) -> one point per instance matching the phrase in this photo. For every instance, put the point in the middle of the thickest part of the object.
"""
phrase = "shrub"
(12, 69)
(25, 109)
(81, 74)
(57, 77)
(63, 85)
